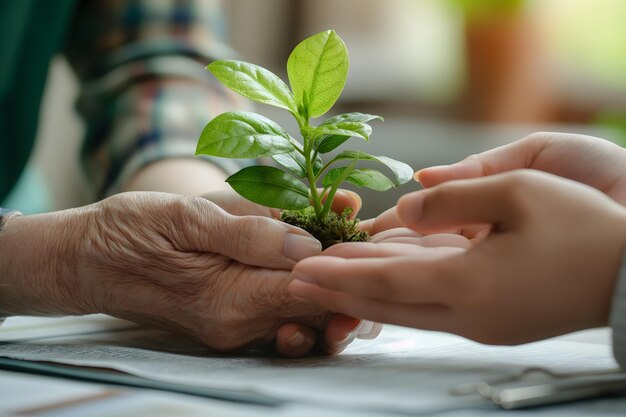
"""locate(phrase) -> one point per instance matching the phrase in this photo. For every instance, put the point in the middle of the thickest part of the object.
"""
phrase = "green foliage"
(364, 177)
(254, 82)
(317, 70)
(328, 143)
(270, 187)
(243, 135)
(402, 172)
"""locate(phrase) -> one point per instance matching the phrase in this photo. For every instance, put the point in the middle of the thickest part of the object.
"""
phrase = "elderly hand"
(180, 263)
(547, 267)
(341, 330)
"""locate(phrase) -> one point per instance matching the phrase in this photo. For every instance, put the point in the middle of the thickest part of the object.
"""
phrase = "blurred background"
(450, 77)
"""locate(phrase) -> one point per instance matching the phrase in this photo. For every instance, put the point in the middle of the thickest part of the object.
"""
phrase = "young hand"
(547, 267)
(589, 160)
(593, 161)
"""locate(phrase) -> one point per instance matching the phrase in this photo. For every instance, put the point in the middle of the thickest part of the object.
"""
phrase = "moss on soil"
(331, 230)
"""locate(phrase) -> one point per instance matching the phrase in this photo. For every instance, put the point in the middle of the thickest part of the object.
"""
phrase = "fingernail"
(431, 170)
(365, 328)
(296, 340)
(369, 330)
(297, 247)
(410, 208)
(349, 339)
(299, 276)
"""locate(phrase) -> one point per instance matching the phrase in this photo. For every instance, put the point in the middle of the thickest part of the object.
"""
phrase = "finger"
(426, 277)
(476, 232)
(295, 340)
(344, 199)
(516, 155)
(251, 240)
(369, 330)
(354, 250)
(439, 240)
(267, 242)
(427, 317)
(399, 232)
(446, 240)
(490, 200)
(404, 240)
(409, 236)
(341, 331)
(384, 221)
(408, 247)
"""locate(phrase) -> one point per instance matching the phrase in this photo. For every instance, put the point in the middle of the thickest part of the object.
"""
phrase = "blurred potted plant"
(506, 79)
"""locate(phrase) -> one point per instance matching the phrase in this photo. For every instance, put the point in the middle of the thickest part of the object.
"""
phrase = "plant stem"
(329, 201)
(317, 205)
(303, 122)
(331, 194)
(324, 168)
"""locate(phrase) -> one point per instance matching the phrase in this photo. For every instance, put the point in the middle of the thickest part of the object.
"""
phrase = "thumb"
(516, 155)
(344, 199)
(253, 240)
(491, 200)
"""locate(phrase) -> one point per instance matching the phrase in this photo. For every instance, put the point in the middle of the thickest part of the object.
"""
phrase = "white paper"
(403, 370)
(22, 391)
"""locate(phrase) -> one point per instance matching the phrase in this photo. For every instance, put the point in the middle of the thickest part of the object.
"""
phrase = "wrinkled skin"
(180, 263)
(341, 330)
(184, 279)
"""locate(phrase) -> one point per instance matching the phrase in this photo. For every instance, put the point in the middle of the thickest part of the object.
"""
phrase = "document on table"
(403, 370)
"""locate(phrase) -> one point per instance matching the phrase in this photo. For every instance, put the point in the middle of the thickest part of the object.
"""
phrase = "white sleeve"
(618, 315)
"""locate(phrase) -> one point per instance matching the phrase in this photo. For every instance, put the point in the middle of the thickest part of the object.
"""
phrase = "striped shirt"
(145, 94)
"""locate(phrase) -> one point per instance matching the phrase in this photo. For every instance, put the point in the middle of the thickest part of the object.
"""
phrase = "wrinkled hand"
(547, 267)
(340, 330)
(185, 264)
(180, 263)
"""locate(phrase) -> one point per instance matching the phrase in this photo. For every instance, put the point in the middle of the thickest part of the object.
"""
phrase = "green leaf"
(243, 135)
(351, 117)
(330, 137)
(328, 143)
(270, 187)
(401, 171)
(369, 178)
(331, 142)
(254, 82)
(292, 162)
(317, 70)
(335, 177)
(359, 129)
(295, 163)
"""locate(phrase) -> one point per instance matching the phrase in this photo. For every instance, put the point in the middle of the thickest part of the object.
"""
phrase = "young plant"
(317, 70)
